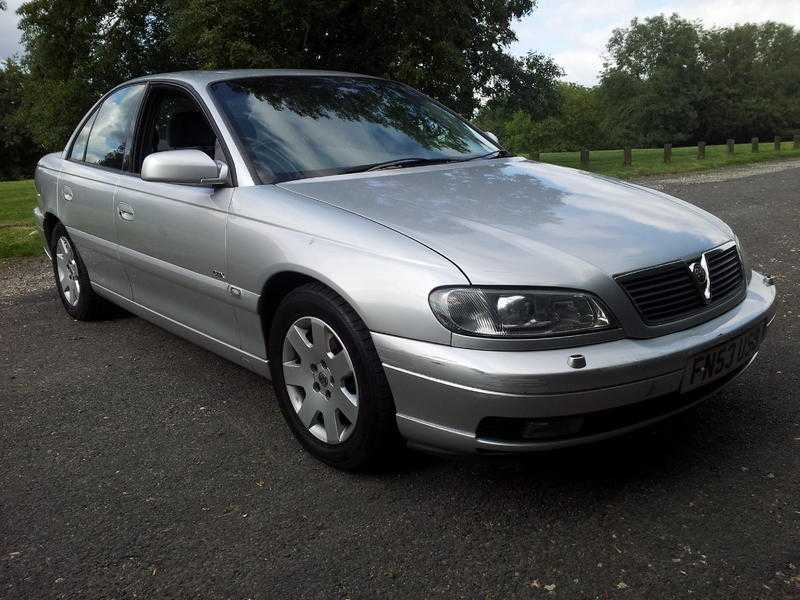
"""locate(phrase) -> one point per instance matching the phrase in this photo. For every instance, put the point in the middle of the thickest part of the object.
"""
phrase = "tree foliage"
(75, 50)
(671, 80)
(453, 51)
(574, 122)
(752, 81)
(17, 149)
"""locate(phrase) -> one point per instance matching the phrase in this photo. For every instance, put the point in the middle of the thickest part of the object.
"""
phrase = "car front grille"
(670, 292)
(725, 272)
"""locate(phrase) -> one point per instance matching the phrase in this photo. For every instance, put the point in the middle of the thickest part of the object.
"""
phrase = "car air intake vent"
(669, 292)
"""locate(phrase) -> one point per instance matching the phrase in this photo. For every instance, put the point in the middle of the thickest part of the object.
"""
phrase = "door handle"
(125, 211)
(67, 193)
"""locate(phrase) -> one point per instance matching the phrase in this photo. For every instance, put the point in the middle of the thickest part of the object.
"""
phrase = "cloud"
(580, 65)
(575, 32)
(9, 34)
(722, 13)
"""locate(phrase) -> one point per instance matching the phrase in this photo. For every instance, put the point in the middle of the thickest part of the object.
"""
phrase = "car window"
(109, 134)
(78, 150)
(174, 121)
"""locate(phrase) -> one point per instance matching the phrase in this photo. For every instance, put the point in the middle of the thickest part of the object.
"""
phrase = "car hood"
(519, 222)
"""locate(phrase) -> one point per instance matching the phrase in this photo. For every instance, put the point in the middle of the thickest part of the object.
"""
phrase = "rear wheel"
(72, 278)
(329, 381)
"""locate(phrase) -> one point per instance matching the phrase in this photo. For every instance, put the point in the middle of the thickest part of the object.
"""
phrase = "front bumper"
(442, 394)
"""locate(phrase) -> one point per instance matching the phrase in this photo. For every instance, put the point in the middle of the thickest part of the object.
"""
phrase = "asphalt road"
(135, 465)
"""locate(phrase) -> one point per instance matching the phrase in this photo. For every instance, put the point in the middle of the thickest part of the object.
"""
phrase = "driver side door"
(172, 237)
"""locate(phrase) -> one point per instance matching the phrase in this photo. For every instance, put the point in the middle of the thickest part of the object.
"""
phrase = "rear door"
(88, 183)
(172, 237)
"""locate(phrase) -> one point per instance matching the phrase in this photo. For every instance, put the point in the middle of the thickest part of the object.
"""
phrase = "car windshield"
(309, 126)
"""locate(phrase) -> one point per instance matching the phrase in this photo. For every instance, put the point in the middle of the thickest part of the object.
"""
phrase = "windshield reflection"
(307, 126)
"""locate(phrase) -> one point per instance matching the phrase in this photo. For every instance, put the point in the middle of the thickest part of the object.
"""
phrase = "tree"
(454, 51)
(576, 122)
(18, 152)
(670, 80)
(516, 102)
(752, 81)
(75, 50)
(652, 84)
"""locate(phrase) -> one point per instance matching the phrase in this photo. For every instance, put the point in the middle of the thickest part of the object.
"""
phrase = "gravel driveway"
(135, 465)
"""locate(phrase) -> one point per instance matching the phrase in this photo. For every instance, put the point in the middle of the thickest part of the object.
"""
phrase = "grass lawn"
(18, 235)
(650, 161)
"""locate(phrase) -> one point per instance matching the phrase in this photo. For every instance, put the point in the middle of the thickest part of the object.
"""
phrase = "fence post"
(627, 159)
(584, 156)
(754, 145)
(730, 146)
(667, 153)
(701, 150)
(777, 143)
(797, 141)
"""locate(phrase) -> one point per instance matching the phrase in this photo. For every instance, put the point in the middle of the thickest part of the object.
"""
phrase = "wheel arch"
(281, 284)
(49, 223)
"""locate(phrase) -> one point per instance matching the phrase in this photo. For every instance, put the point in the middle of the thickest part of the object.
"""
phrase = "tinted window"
(174, 121)
(79, 146)
(305, 126)
(109, 134)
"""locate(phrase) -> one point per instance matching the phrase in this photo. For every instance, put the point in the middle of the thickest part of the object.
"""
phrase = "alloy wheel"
(320, 379)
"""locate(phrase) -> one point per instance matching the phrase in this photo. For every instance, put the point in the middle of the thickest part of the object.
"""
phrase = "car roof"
(201, 79)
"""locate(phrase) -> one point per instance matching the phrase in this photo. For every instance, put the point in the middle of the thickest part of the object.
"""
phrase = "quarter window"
(110, 132)
(78, 150)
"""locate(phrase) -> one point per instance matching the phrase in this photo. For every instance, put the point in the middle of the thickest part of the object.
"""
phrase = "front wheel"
(329, 381)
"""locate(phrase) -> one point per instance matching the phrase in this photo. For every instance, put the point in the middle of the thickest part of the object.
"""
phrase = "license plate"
(721, 360)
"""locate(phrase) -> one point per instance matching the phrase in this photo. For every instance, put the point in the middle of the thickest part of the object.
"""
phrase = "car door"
(172, 237)
(88, 182)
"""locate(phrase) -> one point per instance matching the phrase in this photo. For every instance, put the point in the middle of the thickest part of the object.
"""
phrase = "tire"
(72, 278)
(317, 411)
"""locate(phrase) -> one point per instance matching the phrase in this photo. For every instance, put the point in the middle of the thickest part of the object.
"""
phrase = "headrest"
(189, 130)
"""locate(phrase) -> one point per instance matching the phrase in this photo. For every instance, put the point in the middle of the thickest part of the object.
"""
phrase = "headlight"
(518, 313)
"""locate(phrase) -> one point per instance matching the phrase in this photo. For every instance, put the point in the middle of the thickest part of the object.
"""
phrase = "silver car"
(396, 274)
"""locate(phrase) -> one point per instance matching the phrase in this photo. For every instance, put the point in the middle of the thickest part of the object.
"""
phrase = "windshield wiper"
(399, 163)
(493, 154)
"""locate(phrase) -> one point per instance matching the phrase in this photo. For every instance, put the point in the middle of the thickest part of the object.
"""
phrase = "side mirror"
(187, 167)
(491, 136)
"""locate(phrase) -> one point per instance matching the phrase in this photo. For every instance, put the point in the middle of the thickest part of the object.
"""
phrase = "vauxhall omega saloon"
(398, 276)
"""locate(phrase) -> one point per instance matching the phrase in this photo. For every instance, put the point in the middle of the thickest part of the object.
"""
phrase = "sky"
(9, 34)
(573, 32)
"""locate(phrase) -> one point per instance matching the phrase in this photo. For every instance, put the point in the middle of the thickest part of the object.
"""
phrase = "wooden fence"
(627, 152)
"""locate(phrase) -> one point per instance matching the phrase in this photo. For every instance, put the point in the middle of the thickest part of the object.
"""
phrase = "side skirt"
(236, 355)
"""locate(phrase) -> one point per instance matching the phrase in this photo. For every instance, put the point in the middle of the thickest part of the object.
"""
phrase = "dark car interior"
(173, 121)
